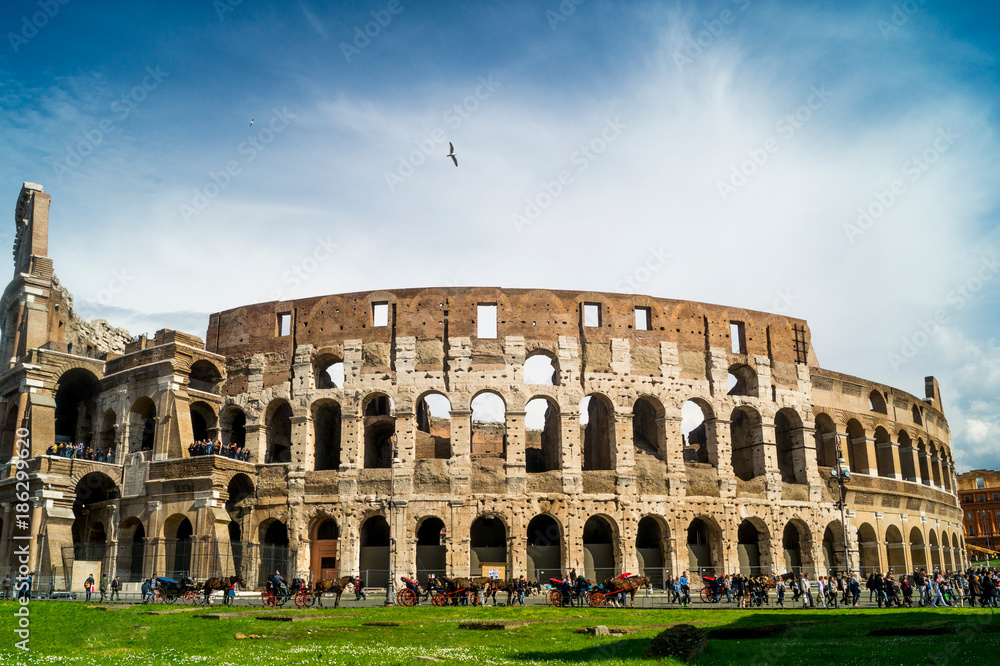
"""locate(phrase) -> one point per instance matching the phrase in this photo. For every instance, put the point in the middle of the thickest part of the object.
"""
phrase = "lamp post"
(390, 595)
(839, 476)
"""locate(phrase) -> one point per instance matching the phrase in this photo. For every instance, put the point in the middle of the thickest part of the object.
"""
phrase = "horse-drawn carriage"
(410, 594)
(168, 590)
(626, 583)
(454, 591)
(277, 593)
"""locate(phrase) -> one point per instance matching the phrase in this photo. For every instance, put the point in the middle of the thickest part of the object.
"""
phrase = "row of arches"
(935, 552)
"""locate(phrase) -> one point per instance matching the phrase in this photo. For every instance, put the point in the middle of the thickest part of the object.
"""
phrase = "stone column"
(623, 461)
(515, 465)
(572, 456)
(766, 460)
(256, 442)
(302, 449)
(672, 450)
(460, 465)
(720, 453)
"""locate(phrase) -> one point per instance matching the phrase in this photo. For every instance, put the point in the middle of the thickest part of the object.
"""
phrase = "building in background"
(979, 494)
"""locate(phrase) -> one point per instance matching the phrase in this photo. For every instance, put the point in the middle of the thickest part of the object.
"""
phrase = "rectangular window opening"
(486, 320)
(380, 314)
(643, 319)
(592, 315)
(737, 332)
(284, 323)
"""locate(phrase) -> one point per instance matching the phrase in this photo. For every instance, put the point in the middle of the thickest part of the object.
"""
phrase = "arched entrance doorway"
(488, 547)
(273, 551)
(431, 551)
(896, 550)
(748, 549)
(652, 549)
(599, 561)
(702, 540)
(131, 550)
(177, 531)
(373, 560)
(544, 549)
(323, 550)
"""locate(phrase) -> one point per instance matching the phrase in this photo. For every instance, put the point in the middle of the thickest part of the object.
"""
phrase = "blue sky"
(835, 162)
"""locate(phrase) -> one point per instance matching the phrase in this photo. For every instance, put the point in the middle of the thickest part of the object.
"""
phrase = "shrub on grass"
(683, 641)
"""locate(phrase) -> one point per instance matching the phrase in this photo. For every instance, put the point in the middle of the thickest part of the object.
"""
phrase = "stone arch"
(328, 371)
(77, 392)
(323, 550)
(916, 416)
(142, 425)
(796, 543)
(433, 426)
(597, 418)
(544, 548)
(747, 436)
(380, 431)
(327, 420)
(489, 424)
(130, 564)
(93, 493)
(543, 435)
(204, 423)
(884, 462)
(789, 437)
(957, 552)
(925, 475)
(648, 435)
(704, 547)
(935, 549)
(431, 549)
(274, 549)
(373, 560)
(935, 461)
(868, 555)
(946, 556)
(177, 532)
(278, 422)
(826, 441)
(600, 554)
(205, 376)
(876, 402)
(487, 543)
(699, 441)
(918, 551)
(652, 547)
(106, 435)
(742, 380)
(895, 550)
(753, 547)
(857, 447)
(906, 467)
(541, 367)
(233, 424)
(833, 548)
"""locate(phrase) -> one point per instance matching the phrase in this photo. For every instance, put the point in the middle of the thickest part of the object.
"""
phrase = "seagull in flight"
(452, 153)
(251, 122)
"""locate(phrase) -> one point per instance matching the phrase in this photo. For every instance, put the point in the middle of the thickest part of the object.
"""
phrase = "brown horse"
(628, 585)
(223, 584)
(337, 587)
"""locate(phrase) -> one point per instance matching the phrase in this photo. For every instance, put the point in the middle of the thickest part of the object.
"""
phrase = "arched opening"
(742, 381)
(883, 454)
(9, 433)
(935, 466)
(131, 550)
(273, 550)
(323, 550)
(374, 556)
(205, 377)
(543, 434)
(326, 428)
(544, 549)
(748, 549)
(177, 530)
(597, 418)
(241, 494)
(541, 369)
(599, 561)
(652, 549)
(694, 433)
(433, 427)
(906, 452)
(106, 436)
(935, 549)
(925, 475)
(489, 425)
(236, 547)
(432, 554)
(790, 445)
(915, 414)
(826, 441)
(328, 371)
(792, 547)
(234, 427)
(747, 438)
(279, 432)
(92, 506)
(918, 552)
(957, 553)
(646, 431)
(868, 557)
(876, 402)
(203, 422)
(487, 545)
(380, 428)
(857, 447)
(76, 406)
(895, 550)
(833, 548)
(142, 425)
(703, 547)
(946, 558)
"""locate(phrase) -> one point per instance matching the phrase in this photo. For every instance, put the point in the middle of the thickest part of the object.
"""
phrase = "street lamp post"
(390, 595)
(839, 476)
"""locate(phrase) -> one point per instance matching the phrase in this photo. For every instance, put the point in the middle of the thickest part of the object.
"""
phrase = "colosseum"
(457, 430)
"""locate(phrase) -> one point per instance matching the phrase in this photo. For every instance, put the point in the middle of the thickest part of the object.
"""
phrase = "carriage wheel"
(159, 596)
(406, 597)
(555, 596)
(596, 600)
(706, 594)
(191, 598)
(269, 598)
(302, 598)
(440, 599)
(473, 598)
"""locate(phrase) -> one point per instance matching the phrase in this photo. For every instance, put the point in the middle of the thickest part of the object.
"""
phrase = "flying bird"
(251, 122)
(452, 153)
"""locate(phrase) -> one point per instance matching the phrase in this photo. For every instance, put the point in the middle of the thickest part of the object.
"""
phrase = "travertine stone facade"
(386, 417)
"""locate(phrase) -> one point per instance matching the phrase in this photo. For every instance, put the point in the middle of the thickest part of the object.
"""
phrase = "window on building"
(380, 314)
(982, 498)
(643, 319)
(972, 530)
(968, 498)
(486, 320)
(996, 497)
(738, 337)
(980, 484)
(284, 323)
(592, 315)
(969, 516)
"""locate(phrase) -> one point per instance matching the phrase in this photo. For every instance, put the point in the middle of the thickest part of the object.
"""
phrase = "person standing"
(116, 586)
(685, 590)
(359, 589)
(88, 586)
(6, 587)
(104, 586)
(807, 598)
(146, 590)
(779, 585)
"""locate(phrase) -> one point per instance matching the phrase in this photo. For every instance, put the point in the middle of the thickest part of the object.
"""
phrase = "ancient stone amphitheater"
(457, 430)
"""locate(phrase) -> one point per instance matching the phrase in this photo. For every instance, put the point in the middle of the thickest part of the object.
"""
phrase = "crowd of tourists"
(81, 452)
(207, 447)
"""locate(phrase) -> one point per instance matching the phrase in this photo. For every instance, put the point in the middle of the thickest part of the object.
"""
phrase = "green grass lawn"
(78, 633)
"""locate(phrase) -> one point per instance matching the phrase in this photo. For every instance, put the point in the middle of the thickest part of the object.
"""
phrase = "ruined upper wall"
(540, 316)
